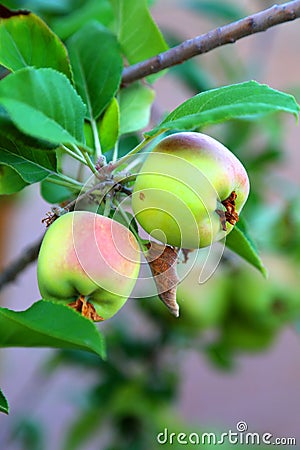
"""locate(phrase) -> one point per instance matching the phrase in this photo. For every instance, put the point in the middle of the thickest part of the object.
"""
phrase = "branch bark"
(28, 256)
(228, 34)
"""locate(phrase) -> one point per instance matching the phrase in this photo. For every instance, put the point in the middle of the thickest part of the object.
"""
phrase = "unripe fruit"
(190, 190)
(202, 305)
(244, 337)
(90, 262)
(267, 304)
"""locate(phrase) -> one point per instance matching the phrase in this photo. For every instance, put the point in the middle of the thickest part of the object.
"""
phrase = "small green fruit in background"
(90, 262)
(240, 336)
(202, 305)
(267, 304)
(190, 190)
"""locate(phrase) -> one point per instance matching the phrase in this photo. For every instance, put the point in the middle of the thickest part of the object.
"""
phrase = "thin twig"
(29, 255)
(228, 34)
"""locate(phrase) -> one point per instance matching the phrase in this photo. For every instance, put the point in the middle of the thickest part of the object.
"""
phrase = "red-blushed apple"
(90, 262)
(190, 190)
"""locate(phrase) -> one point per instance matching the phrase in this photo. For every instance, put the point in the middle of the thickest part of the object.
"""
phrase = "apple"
(267, 304)
(241, 336)
(90, 262)
(202, 305)
(189, 191)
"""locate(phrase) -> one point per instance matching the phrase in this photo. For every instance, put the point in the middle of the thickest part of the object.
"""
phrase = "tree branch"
(28, 256)
(228, 34)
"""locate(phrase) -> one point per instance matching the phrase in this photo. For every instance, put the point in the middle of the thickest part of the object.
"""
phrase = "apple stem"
(74, 154)
(116, 151)
(107, 207)
(139, 147)
(63, 180)
(96, 138)
(89, 162)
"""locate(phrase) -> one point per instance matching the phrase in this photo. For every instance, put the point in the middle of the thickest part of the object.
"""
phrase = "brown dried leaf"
(162, 260)
(231, 214)
(86, 309)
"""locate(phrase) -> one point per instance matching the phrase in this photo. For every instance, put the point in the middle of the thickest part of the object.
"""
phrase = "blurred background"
(233, 355)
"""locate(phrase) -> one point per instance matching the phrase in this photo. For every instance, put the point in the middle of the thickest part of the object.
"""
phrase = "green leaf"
(45, 8)
(11, 132)
(135, 107)
(146, 40)
(47, 324)
(84, 427)
(43, 104)
(54, 193)
(88, 134)
(97, 64)
(216, 9)
(25, 40)
(118, 217)
(109, 127)
(26, 159)
(244, 100)
(69, 24)
(4, 408)
(32, 165)
(10, 181)
(239, 241)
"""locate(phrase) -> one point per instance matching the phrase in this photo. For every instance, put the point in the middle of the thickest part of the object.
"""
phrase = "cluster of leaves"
(62, 99)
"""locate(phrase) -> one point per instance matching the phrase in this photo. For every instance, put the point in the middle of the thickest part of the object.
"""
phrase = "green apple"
(90, 262)
(239, 336)
(267, 304)
(189, 191)
(202, 305)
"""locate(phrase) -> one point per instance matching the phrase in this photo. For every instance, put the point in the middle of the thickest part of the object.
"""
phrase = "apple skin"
(85, 254)
(181, 185)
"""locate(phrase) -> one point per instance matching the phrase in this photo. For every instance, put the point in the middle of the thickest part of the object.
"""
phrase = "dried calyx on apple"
(190, 191)
(89, 262)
